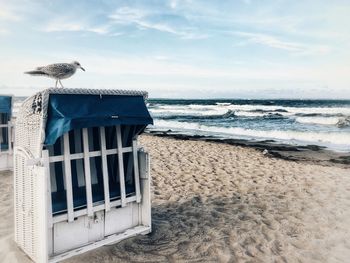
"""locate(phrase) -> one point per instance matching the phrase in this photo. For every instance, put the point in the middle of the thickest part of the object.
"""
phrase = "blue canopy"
(75, 111)
(5, 104)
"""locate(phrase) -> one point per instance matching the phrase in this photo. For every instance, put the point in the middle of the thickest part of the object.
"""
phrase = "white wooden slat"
(95, 154)
(45, 156)
(111, 151)
(9, 139)
(52, 171)
(79, 164)
(61, 151)
(115, 151)
(105, 169)
(76, 156)
(121, 167)
(87, 168)
(127, 149)
(136, 171)
(93, 168)
(68, 178)
(57, 158)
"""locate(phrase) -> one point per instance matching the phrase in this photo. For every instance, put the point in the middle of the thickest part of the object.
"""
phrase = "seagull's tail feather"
(36, 73)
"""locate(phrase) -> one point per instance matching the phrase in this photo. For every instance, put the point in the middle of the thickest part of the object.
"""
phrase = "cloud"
(175, 3)
(126, 15)
(61, 26)
(275, 42)
(3, 32)
(8, 15)
(143, 20)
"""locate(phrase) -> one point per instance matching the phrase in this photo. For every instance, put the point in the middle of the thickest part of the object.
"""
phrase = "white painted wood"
(138, 230)
(111, 151)
(10, 137)
(105, 169)
(52, 171)
(50, 241)
(61, 139)
(136, 171)
(121, 215)
(96, 225)
(42, 207)
(79, 163)
(46, 164)
(87, 172)
(82, 231)
(146, 218)
(68, 179)
(57, 158)
(121, 166)
(93, 168)
(70, 235)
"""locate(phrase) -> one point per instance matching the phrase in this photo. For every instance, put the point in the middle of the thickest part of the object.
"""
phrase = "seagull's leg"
(60, 83)
(56, 83)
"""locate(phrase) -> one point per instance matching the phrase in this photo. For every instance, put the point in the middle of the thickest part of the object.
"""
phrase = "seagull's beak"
(82, 69)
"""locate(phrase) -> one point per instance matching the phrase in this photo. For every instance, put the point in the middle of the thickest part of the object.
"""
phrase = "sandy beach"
(215, 202)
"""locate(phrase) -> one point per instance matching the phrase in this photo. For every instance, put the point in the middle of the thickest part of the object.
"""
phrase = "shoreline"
(313, 154)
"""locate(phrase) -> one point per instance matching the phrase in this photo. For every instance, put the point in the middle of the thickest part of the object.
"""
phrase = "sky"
(181, 48)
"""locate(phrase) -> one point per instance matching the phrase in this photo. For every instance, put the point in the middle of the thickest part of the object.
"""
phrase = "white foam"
(188, 111)
(249, 114)
(223, 103)
(318, 120)
(224, 107)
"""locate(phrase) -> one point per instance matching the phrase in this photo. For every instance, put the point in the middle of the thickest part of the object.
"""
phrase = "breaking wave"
(337, 140)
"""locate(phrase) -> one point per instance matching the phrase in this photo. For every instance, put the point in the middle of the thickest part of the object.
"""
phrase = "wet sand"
(313, 154)
(225, 203)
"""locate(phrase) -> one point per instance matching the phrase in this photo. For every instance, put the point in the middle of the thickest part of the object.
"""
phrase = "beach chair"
(6, 158)
(81, 181)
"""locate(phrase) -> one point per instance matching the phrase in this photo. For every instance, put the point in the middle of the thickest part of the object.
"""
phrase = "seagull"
(57, 71)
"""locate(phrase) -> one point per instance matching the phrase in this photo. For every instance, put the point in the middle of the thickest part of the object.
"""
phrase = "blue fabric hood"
(5, 104)
(75, 111)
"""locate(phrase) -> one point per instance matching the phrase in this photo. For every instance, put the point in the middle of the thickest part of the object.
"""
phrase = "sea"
(298, 122)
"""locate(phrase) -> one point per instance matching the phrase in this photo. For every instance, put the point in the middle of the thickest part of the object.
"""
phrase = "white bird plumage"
(57, 71)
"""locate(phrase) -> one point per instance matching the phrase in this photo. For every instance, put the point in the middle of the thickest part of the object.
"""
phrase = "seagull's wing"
(57, 70)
